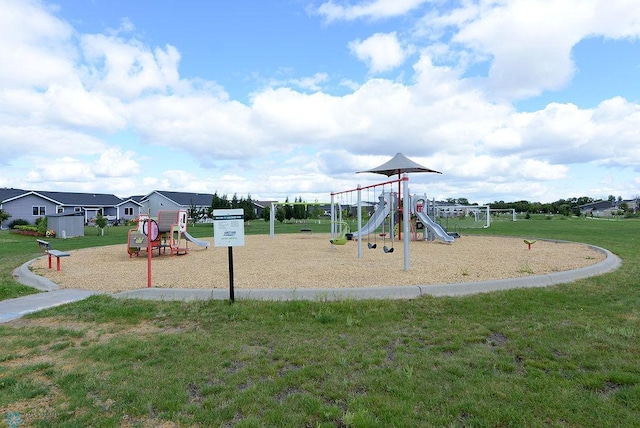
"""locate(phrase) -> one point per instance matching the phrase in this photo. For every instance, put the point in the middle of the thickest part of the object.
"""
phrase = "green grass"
(565, 356)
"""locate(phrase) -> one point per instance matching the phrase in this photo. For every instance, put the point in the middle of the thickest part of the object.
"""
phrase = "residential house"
(607, 208)
(172, 201)
(30, 205)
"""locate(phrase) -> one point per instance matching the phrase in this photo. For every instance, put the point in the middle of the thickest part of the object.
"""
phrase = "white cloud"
(529, 42)
(115, 163)
(382, 52)
(287, 141)
(375, 9)
(18, 140)
(35, 48)
(312, 82)
(202, 125)
(127, 68)
(56, 170)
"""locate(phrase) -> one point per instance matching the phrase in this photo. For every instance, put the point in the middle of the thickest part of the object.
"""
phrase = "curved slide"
(196, 241)
(435, 227)
(377, 218)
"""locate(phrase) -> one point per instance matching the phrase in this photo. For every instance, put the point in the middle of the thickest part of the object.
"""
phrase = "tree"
(194, 213)
(266, 214)
(247, 207)
(280, 214)
(299, 211)
(4, 216)
(288, 210)
(624, 207)
(219, 202)
(101, 222)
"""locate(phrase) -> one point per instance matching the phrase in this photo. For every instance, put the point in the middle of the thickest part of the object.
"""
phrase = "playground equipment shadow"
(53, 296)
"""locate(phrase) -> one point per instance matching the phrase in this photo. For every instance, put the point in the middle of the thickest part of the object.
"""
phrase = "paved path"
(52, 295)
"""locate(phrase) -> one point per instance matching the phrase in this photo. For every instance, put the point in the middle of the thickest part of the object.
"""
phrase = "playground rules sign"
(228, 228)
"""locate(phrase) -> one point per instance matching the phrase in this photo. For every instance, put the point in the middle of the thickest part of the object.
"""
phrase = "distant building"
(607, 208)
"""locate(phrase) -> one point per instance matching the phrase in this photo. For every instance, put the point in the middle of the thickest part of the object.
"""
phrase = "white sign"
(228, 228)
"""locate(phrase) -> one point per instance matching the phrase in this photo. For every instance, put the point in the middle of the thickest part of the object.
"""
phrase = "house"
(172, 201)
(130, 208)
(30, 205)
(607, 208)
(259, 207)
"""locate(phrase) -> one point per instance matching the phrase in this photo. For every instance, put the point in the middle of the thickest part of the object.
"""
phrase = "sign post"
(228, 231)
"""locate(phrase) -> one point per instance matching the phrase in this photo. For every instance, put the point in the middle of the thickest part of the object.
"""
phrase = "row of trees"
(223, 202)
(298, 209)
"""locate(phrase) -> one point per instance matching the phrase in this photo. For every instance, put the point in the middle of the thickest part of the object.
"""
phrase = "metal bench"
(52, 253)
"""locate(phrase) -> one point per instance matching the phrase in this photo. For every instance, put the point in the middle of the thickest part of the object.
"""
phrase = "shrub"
(41, 222)
(18, 222)
(26, 228)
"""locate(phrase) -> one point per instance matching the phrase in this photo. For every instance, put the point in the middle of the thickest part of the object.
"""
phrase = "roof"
(10, 193)
(82, 199)
(399, 164)
(263, 204)
(599, 205)
(185, 199)
(132, 199)
(69, 214)
(64, 198)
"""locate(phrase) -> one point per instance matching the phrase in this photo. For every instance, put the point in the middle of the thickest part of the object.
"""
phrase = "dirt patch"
(310, 261)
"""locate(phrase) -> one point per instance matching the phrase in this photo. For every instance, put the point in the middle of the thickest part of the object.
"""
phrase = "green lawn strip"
(567, 355)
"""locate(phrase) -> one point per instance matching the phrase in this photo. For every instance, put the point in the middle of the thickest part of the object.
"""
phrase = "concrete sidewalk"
(15, 308)
(53, 296)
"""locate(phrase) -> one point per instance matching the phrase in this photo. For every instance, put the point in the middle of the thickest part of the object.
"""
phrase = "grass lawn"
(564, 356)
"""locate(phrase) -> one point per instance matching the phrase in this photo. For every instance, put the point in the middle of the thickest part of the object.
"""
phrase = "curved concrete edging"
(609, 264)
(25, 276)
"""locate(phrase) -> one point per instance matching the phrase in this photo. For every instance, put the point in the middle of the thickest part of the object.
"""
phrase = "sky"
(511, 100)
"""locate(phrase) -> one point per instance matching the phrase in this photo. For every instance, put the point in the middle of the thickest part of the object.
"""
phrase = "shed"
(66, 225)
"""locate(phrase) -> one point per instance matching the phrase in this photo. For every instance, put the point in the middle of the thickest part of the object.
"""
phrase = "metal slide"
(196, 241)
(377, 218)
(435, 227)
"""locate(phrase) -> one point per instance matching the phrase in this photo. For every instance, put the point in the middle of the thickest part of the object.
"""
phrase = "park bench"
(52, 253)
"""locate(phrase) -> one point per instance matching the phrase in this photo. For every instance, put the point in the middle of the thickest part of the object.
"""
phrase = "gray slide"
(196, 241)
(435, 227)
(377, 218)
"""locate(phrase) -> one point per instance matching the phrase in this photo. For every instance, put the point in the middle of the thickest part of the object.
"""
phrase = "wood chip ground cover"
(295, 261)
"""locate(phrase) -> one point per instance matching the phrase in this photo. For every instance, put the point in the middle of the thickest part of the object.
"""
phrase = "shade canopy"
(399, 164)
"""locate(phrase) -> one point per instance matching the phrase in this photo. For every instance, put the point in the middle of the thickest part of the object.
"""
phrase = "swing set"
(383, 216)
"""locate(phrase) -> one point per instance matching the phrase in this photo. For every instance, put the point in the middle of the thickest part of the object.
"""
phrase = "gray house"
(162, 200)
(30, 205)
(607, 208)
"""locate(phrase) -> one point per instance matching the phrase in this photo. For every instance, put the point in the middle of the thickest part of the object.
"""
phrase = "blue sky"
(510, 100)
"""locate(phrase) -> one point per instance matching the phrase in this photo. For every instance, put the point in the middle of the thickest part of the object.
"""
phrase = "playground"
(308, 260)
(345, 257)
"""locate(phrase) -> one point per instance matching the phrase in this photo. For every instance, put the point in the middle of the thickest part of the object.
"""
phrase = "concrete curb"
(25, 276)
(609, 264)
(54, 296)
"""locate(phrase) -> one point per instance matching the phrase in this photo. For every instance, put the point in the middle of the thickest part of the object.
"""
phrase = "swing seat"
(342, 238)
(372, 246)
(387, 250)
(339, 241)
